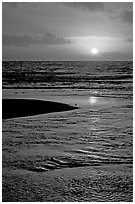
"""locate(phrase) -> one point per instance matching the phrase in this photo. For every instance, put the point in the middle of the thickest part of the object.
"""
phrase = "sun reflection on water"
(92, 99)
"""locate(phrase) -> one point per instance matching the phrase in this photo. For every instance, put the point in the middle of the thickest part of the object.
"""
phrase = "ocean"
(84, 154)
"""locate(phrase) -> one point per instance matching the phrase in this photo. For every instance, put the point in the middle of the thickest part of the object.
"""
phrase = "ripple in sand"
(78, 161)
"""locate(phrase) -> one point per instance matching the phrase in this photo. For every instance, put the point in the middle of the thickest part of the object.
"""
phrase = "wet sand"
(13, 108)
(80, 184)
(41, 164)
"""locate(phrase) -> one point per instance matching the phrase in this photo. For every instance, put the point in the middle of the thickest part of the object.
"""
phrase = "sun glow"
(94, 51)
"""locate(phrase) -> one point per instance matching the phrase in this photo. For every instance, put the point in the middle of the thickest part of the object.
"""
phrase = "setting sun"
(94, 51)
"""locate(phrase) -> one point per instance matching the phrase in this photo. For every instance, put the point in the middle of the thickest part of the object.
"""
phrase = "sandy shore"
(12, 108)
(68, 185)
(50, 157)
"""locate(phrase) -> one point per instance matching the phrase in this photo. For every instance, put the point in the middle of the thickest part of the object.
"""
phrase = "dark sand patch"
(13, 108)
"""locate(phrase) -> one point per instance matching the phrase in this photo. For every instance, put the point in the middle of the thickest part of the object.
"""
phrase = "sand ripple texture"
(94, 142)
(100, 186)
(84, 154)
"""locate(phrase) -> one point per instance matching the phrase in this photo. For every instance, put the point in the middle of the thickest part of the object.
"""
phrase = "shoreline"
(14, 108)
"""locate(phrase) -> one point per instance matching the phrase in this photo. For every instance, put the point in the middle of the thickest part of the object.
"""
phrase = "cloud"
(127, 16)
(11, 4)
(18, 41)
(15, 5)
(130, 40)
(27, 40)
(116, 56)
(52, 39)
(85, 6)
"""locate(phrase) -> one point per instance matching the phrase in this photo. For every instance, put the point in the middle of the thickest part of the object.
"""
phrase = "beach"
(70, 138)
(87, 184)
(67, 101)
(44, 160)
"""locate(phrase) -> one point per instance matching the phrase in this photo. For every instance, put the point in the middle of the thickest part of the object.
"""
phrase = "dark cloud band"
(88, 6)
(26, 40)
(127, 16)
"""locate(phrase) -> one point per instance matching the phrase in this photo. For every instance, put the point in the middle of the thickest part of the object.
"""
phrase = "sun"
(94, 51)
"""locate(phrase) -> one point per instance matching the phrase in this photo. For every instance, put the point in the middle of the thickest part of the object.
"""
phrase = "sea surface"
(87, 152)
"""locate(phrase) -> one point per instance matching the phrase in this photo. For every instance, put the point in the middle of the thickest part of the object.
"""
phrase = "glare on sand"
(92, 99)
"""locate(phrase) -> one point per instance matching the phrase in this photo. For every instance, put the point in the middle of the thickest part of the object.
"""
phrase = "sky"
(67, 30)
